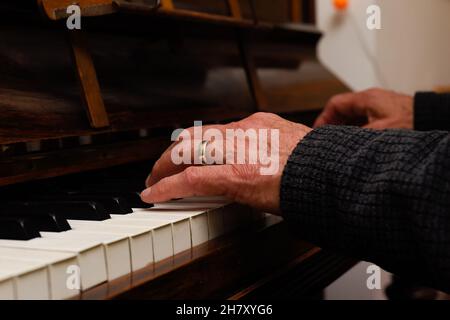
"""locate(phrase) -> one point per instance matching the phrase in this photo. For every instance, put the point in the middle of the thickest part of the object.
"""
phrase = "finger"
(165, 166)
(347, 108)
(194, 181)
(326, 117)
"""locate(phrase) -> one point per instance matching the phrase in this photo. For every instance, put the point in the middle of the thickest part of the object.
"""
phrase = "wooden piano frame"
(103, 120)
(260, 262)
(86, 73)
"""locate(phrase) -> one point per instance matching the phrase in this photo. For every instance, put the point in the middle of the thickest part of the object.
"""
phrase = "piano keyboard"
(104, 246)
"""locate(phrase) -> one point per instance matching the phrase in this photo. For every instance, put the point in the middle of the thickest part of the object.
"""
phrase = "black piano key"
(17, 229)
(43, 222)
(132, 197)
(112, 205)
(70, 210)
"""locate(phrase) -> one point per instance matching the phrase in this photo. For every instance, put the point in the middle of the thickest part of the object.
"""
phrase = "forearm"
(431, 111)
(377, 196)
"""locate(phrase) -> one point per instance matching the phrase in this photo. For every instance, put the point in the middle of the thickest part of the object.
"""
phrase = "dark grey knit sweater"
(379, 196)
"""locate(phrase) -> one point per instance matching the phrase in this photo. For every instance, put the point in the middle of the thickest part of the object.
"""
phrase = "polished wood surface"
(66, 156)
(248, 62)
(57, 9)
(261, 13)
(142, 84)
(140, 74)
(87, 77)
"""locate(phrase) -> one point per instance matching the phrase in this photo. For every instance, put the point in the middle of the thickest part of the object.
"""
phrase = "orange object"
(340, 4)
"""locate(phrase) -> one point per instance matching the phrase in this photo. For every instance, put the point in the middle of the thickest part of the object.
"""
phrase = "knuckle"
(231, 125)
(261, 116)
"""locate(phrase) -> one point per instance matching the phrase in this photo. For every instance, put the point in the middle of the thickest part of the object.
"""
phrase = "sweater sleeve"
(379, 196)
(431, 111)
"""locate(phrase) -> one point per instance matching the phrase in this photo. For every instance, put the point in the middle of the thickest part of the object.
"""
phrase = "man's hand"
(372, 109)
(243, 183)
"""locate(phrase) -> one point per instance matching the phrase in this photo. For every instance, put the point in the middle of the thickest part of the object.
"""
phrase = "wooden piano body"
(103, 100)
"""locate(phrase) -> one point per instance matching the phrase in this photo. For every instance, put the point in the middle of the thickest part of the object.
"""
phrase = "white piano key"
(199, 228)
(198, 220)
(90, 256)
(161, 234)
(216, 222)
(233, 215)
(141, 242)
(181, 233)
(58, 263)
(215, 207)
(222, 215)
(30, 278)
(7, 288)
(117, 249)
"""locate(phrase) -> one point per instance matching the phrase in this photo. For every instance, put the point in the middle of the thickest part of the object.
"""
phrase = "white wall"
(410, 53)
(353, 285)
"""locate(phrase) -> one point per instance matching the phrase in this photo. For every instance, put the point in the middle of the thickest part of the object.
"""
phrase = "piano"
(86, 112)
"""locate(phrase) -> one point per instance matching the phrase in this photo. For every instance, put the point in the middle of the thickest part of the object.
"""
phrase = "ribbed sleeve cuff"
(431, 111)
(309, 178)
(380, 196)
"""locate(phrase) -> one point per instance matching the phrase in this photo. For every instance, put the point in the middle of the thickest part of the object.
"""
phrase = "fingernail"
(146, 193)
